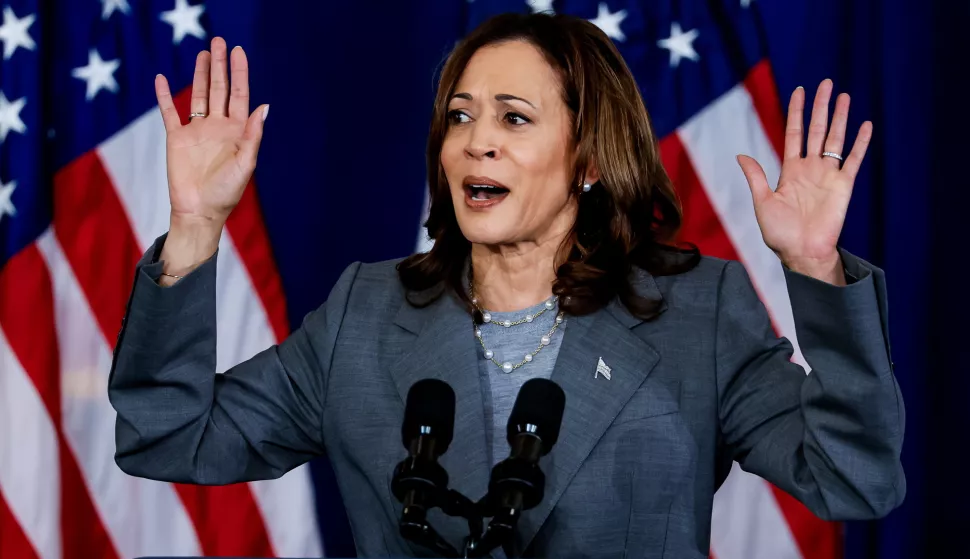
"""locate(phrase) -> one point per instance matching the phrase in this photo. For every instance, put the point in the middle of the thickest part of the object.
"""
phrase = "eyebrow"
(498, 97)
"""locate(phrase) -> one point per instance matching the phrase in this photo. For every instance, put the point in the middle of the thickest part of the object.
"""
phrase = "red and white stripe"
(29, 453)
(61, 304)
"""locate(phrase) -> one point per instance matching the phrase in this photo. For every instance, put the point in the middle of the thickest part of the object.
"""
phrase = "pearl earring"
(586, 187)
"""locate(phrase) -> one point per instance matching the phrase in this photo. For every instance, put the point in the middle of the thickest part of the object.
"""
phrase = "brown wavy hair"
(626, 218)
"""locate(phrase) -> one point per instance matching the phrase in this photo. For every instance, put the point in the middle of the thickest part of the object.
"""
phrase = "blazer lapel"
(445, 349)
(592, 401)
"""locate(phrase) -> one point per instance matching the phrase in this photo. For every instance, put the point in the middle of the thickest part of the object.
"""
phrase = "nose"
(482, 142)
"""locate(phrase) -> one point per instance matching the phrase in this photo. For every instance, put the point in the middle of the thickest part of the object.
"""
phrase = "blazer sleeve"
(180, 421)
(832, 438)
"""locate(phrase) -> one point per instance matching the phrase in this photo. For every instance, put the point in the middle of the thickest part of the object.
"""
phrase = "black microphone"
(517, 483)
(419, 482)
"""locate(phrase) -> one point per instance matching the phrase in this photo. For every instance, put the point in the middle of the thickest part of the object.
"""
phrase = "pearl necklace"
(508, 366)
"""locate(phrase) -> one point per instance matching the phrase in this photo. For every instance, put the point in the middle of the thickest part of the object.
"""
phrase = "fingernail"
(265, 112)
(799, 87)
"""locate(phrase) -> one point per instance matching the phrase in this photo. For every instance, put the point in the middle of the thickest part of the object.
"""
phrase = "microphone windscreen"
(430, 409)
(540, 403)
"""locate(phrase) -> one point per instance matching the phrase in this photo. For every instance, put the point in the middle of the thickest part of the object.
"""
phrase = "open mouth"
(484, 192)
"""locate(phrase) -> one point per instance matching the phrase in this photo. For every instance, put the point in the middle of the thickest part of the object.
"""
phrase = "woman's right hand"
(211, 159)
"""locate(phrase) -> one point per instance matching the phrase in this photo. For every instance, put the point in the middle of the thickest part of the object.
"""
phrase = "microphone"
(517, 484)
(419, 482)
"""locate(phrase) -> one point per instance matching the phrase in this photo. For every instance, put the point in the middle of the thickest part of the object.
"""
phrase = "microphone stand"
(456, 504)
(416, 528)
(501, 529)
(516, 485)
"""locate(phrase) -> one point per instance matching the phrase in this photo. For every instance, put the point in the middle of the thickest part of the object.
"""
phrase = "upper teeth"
(482, 186)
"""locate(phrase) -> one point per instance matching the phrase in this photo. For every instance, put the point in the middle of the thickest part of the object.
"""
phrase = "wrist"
(828, 269)
(189, 243)
(195, 224)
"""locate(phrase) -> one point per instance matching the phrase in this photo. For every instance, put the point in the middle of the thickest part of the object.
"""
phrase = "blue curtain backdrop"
(341, 177)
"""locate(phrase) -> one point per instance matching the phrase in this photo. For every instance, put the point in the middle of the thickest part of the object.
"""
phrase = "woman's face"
(507, 152)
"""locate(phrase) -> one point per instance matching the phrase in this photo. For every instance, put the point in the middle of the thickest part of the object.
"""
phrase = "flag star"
(98, 74)
(14, 33)
(541, 6)
(6, 204)
(610, 23)
(680, 44)
(111, 5)
(10, 116)
(184, 20)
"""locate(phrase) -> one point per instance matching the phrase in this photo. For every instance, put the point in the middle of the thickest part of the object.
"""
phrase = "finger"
(239, 93)
(757, 180)
(252, 137)
(820, 118)
(170, 116)
(793, 130)
(854, 161)
(835, 141)
(219, 79)
(200, 84)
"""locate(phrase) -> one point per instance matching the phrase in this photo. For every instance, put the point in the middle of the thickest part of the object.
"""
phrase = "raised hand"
(211, 159)
(802, 218)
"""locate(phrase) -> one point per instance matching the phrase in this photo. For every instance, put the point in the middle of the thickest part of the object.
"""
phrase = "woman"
(549, 210)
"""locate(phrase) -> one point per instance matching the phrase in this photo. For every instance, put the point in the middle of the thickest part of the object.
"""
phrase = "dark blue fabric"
(900, 61)
(342, 171)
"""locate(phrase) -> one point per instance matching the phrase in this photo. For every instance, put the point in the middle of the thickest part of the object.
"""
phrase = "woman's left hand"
(802, 218)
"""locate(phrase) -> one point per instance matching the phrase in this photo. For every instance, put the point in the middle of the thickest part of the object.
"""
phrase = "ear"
(592, 174)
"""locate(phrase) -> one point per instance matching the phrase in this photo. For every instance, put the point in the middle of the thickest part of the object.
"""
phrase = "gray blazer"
(639, 457)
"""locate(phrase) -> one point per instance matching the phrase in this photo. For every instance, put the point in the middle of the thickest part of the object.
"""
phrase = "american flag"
(82, 163)
(83, 193)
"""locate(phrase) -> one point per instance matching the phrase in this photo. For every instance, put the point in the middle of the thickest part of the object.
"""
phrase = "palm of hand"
(211, 159)
(802, 218)
(807, 209)
(204, 169)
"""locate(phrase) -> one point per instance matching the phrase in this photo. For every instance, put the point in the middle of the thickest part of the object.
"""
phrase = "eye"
(456, 117)
(516, 119)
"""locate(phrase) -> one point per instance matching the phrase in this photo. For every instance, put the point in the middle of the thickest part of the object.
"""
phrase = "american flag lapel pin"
(603, 369)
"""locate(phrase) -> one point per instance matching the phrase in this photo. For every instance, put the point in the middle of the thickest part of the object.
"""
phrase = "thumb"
(252, 136)
(755, 175)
